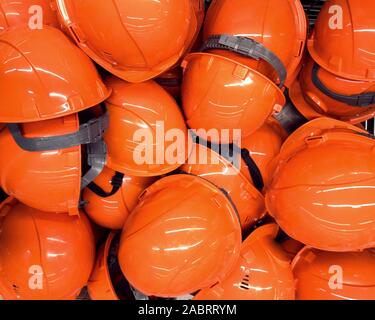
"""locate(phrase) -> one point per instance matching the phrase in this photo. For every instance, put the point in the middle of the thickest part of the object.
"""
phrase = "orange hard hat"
(112, 196)
(219, 93)
(232, 84)
(143, 111)
(27, 12)
(343, 40)
(319, 92)
(43, 256)
(278, 25)
(143, 40)
(263, 272)
(264, 145)
(40, 162)
(36, 86)
(323, 186)
(324, 275)
(226, 175)
(184, 235)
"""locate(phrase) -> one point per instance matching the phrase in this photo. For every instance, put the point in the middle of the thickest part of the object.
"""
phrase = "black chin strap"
(289, 117)
(355, 100)
(116, 183)
(248, 48)
(254, 171)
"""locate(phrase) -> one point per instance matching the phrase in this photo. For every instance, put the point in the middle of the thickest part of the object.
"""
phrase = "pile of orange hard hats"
(146, 150)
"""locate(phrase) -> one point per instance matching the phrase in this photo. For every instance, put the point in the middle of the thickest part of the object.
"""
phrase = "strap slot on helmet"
(248, 48)
(355, 100)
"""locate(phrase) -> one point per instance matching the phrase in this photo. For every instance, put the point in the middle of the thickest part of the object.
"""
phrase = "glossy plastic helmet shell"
(263, 272)
(44, 76)
(143, 40)
(233, 86)
(43, 256)
(220, 93)
(45, 158)
(185, 232)
(30, 176)
(334, 275)
(140, 118)
(323, 186)
(280, 25)
(343, 40)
